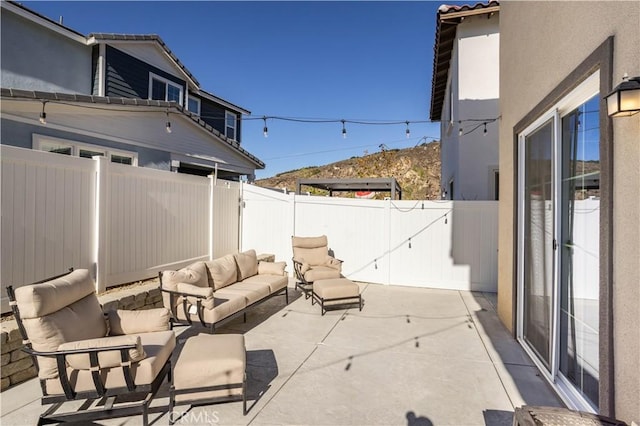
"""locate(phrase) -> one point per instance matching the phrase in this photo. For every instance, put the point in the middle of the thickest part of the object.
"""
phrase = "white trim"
(102, 68)
(167, 83)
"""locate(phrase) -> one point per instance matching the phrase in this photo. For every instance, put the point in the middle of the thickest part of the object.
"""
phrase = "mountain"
(416, 169)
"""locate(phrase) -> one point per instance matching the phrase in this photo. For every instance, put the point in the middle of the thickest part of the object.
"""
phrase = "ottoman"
(209, 369)
(336, 293)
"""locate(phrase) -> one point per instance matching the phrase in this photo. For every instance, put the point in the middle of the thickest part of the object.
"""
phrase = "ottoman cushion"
(336, 288)
(210, 360)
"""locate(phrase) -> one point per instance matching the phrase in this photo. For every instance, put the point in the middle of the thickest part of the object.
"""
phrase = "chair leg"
(286, 294)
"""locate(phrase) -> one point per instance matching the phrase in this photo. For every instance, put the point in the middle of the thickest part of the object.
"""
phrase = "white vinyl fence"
(437, 244)
(123, 223)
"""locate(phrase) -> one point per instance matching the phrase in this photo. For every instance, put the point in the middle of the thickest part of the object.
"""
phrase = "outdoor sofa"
(215, 291)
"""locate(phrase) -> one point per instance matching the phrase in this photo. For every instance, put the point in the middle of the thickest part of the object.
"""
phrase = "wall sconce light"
(624, 100)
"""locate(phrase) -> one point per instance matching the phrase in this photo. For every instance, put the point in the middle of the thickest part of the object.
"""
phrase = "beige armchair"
(83, 354)
(312, 262)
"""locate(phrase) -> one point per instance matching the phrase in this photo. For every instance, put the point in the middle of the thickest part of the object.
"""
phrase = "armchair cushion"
(247, 264)
(271, 268)
(223, 271)
(313, 250)
(107, 359)
(206, 293)
(51, 312)
(135, 322)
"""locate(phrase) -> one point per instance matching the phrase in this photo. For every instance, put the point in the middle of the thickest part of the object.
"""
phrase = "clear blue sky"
(333, 60)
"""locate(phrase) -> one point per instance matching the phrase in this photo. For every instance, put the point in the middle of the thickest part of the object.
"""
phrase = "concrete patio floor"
(413, 356)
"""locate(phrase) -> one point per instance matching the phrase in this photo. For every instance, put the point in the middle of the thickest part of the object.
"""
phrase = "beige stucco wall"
(540, 44)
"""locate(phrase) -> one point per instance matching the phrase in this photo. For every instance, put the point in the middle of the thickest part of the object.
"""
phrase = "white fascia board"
(44, 22)
(221, 101)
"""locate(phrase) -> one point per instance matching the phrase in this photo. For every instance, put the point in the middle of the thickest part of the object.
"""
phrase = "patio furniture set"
(115, 361)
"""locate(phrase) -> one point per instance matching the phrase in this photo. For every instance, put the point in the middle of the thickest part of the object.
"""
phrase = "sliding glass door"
(558, 244)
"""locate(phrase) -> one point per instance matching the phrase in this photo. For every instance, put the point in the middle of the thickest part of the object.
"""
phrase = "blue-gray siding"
(128, 77)
(214, 115)
(20, 134)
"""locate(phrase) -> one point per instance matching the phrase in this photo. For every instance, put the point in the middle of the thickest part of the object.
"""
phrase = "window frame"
(39, 143)
(167, 83)
(227, 115)
(198, 101)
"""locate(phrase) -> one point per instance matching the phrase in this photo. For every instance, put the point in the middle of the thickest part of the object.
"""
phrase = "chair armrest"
(300, 265)
(333, 263)
(108, 350)
(196, 295)
(136, 322)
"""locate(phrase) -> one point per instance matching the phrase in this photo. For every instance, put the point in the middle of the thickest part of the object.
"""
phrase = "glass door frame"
(582, 93)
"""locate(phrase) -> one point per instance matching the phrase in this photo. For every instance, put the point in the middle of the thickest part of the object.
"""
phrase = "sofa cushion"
(275, 282)
(195, 274)
(222, 271)
(271, 268)
(252, 291)
(247, 262)
(226, 303)
(134, 322)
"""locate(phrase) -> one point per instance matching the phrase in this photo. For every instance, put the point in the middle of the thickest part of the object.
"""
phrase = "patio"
(413, 356)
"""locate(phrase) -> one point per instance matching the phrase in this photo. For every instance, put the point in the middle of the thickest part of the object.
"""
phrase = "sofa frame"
(200, 308)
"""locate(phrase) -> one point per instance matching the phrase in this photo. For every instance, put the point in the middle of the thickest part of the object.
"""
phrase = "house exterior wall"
(20, 134)
(36, 58)
(469, 158)
(541, 44)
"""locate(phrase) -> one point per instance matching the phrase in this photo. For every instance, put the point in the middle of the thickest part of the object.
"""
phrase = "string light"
(460, 131)
(485, 129)
(344, 130)
(408, 132)
(43, 115)
(265, 131)
(168, 125)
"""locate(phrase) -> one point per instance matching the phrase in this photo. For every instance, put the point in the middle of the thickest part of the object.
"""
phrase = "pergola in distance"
(389, 185)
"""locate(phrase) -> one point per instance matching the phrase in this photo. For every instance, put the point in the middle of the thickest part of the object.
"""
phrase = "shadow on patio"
(413, 356)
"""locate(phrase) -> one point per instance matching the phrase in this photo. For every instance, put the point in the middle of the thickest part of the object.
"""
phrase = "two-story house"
(464, 99)
(124, 96)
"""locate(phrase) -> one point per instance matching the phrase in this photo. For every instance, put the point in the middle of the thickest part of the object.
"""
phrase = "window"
(230, 125)
(194, 105)
(75, 149)
(162, 89)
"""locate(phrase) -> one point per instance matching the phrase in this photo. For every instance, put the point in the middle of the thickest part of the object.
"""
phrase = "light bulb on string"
(168, 124)
(408, 132)
(485, 129)
(43, 115)
(460, 131)
(265, 131)
(344, 130)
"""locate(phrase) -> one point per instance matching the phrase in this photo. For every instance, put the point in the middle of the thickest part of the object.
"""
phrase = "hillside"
(416, 169)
